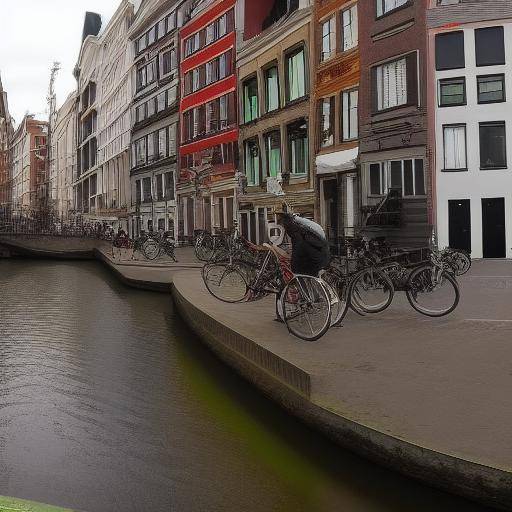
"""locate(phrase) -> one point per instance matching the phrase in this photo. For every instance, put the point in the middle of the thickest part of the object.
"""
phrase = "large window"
(349, 116)
(146, 75)
(452, 92)
(146, 190)
(455, 153)
(349, 34)
(298, 150)
(326, 118)
(250, 94)
(271, 89)
(450, 50)
(328, 39)
(155, 146)
(385, 6)
(209, 73)
(168, 62)
(491, 88)
(392, 84)
(252, 162)
(489, 46)
(407, 175)
(493, 153)
(273, 153)
(296, 74)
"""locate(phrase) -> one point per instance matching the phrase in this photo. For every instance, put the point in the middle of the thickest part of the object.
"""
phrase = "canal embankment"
(429, 398)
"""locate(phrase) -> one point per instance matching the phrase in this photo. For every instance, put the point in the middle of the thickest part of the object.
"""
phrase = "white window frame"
(329, 38)
(346, 108)
(447, 128)
(385, 6)
(349, 29)
(391, 75)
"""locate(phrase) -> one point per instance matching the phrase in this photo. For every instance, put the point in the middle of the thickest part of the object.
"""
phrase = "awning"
(337, 162)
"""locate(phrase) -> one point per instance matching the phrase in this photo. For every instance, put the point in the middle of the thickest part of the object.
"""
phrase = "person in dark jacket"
(310, 248)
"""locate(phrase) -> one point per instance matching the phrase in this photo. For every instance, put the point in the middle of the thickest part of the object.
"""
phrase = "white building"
(63, 157)
(471, 63)
(102, 183)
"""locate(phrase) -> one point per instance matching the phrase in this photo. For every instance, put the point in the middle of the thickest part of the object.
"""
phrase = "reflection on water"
(109, 403)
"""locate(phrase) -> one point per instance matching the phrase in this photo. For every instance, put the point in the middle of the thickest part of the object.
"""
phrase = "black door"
(493, 227)
(459, 224)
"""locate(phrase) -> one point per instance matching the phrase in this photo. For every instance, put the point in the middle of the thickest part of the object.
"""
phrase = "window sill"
(393, 109)
(465, 169)
(453, 105)
(491, 102)
(499, 168)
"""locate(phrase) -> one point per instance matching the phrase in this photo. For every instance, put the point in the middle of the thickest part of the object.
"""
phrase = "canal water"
(109, 403)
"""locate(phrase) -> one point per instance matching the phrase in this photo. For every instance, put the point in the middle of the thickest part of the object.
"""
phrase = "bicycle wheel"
(371, 291)
(204, 248)
(432, 291)
(339, 283)
(225, 282)
(462, 262)
(151, 249)
(306, 307)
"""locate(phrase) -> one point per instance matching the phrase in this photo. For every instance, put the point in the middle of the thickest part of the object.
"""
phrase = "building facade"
(155, 105)
(470, 115)
(63, 158)
(209, 126)
(6, 132)
(393, 120)
(28, 153)
(335, 109)
(276, 140)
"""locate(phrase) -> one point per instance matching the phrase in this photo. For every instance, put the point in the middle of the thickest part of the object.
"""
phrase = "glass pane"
(492, 145)
(490, 89)
(452, 92)
(250, 100)
(273, 146)
(408, 178)
(296, 76)
(272, 92)
(396, 174)
(375, 188)
(419, 178)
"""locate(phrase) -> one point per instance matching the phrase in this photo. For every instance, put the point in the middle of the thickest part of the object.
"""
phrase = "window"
(271, 89)
(328, 39)
(250, 92)
(377, 180)
(450, 50)
(452, 92)
(152, 145)
(385, 6)
(169, 185)
(326, 118)
(252, 162)
(146, 190)
(151, 107)
(392, 84)
(171, 95)
(493, 154)
(168, 62)
(138, 191)
(211, 33)
(159, 187)
(222, 24)
(160, 102)
(454, 140)
(195, 80)
(349, 35)
(273, 153)
(140, 151)
(152, 36)
(141, 43)
(146, 75)
(491, 88)
(161, 29)
(140, 113)
(162, 143)
(171, 21)
(298, 150)
(349, 115)
(296, 73)
(171, 139)
(489, 46)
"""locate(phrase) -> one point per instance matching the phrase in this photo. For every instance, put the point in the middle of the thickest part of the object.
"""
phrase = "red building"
(208, 119)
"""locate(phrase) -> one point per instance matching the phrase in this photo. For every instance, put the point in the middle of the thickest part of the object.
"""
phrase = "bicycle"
(156, 246)
(307, 305)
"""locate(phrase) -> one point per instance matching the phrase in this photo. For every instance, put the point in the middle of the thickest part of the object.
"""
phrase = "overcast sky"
(33, 34)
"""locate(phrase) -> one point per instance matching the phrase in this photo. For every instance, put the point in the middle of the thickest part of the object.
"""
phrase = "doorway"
(493, 227)
(459, 224)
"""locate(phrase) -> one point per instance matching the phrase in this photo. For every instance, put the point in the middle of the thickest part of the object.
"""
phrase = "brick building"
(209, 127)
(6, 131)
(395, 180)
(28, 149)
(335, 110)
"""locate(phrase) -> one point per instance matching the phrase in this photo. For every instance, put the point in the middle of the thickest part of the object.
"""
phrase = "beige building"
(274, 85)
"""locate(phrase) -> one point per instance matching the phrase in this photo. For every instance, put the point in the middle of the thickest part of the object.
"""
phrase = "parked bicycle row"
(365, 279)
(150, 245)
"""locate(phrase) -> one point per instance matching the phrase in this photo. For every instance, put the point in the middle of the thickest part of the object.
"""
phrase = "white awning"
(337, 162)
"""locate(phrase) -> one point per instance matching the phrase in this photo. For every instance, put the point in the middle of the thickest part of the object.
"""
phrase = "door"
(493, 227)
(459, 224)
(330, 188)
